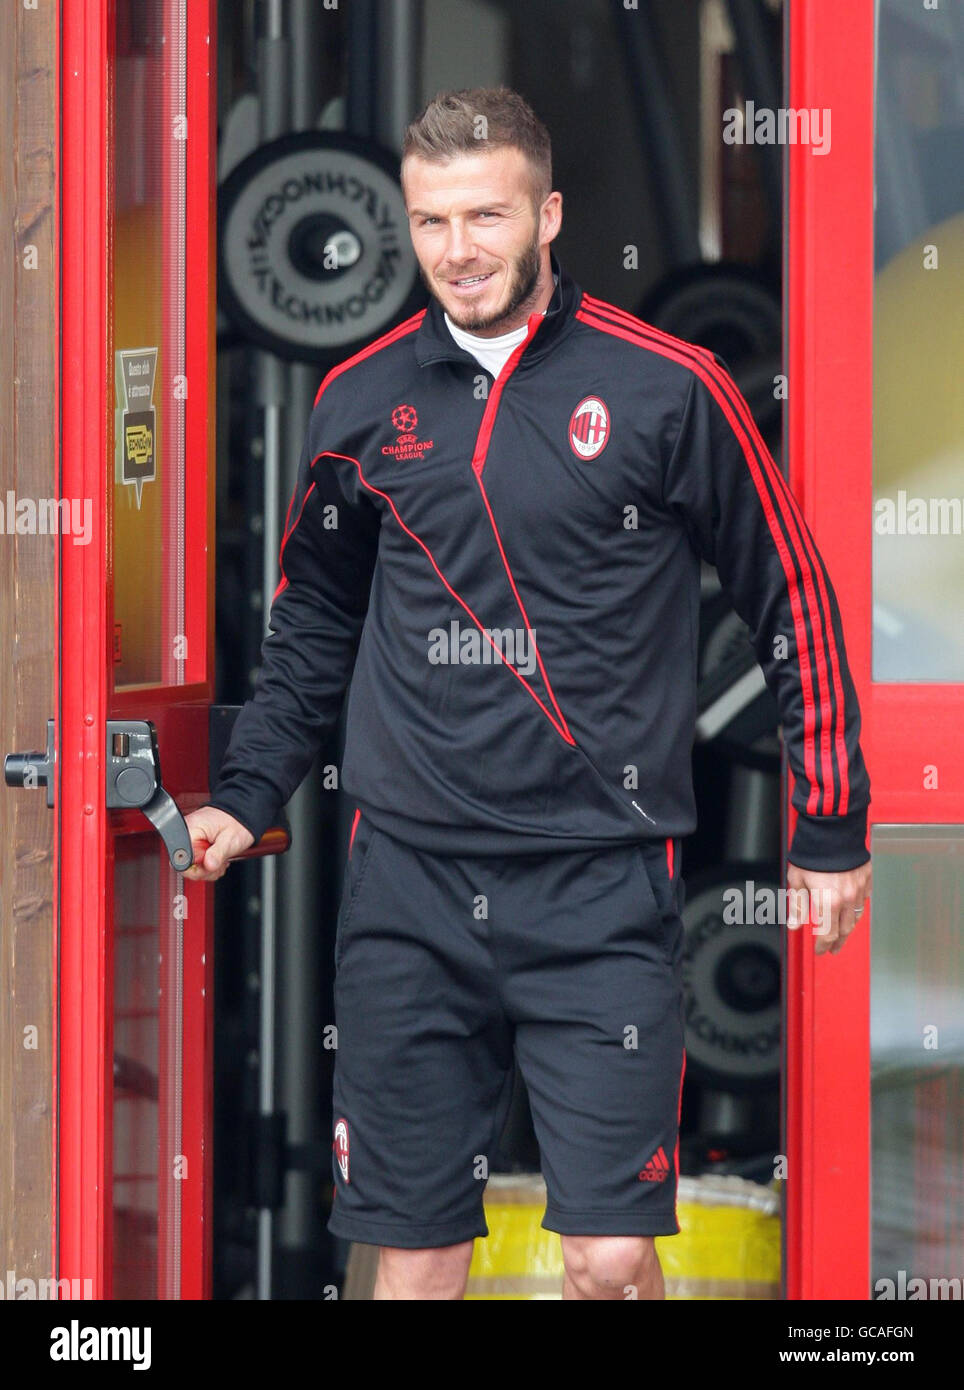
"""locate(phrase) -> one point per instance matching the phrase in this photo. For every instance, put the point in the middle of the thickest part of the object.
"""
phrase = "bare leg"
(611, 1267)
(439, 1273)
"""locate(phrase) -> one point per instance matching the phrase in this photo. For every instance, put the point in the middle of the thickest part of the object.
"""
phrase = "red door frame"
(830, 292)
(829, 300)
(82, 1196)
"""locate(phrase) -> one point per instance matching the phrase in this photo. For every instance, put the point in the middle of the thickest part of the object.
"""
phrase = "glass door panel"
(136, 1108)
(147, 624)
(916, 961)
(917, 1056)
(918, 536)
(141, 349)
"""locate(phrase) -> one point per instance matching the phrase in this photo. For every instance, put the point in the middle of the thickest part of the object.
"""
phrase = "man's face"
(482, 246)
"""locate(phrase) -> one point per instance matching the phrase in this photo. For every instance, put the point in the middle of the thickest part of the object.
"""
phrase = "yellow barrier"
(728, 1246)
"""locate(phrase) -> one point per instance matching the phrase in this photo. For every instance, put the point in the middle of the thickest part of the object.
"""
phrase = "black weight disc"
(732, 1002)
(314, 254)
(730, 309)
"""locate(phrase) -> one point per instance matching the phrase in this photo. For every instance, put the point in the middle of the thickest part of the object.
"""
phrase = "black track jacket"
(506, 572)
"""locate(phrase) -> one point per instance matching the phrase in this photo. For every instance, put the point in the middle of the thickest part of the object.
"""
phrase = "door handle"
(134, 780)
(33, 769)
(274, 841)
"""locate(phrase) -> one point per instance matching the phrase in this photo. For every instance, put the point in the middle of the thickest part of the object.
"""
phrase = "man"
(496, 537)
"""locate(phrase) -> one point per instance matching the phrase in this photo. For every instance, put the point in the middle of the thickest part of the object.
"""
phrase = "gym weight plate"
(314, 254)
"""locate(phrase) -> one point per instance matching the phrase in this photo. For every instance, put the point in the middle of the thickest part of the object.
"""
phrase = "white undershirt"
(491, 353)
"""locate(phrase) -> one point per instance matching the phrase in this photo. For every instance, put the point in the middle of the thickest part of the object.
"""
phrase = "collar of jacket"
(434, 342)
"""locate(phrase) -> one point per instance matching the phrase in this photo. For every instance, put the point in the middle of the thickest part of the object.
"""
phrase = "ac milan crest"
(589, 428)
(341, 1147)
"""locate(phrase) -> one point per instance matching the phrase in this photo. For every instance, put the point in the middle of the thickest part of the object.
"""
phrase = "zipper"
(479, 455)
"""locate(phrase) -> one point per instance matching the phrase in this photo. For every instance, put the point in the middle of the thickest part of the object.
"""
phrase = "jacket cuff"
(254, 819)
(830, 844)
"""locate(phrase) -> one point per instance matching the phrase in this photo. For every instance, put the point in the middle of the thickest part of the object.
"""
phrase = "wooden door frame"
(29, 469)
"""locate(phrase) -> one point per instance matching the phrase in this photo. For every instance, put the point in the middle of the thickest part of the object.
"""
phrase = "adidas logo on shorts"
(657, 1169)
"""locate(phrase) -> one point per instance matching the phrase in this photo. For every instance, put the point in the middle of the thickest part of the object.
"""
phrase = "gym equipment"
(728, 308)
(731, 977)
(315, 259)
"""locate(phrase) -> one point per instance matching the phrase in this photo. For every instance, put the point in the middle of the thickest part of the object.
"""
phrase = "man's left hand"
(836, 901)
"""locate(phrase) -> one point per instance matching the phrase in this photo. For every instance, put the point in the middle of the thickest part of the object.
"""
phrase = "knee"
(602, 1266)
(436, 1273)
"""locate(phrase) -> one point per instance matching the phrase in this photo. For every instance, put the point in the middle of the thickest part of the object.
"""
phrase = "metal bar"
(273, 115)
(659, 132)
(360, 89)
(396, 60)
(762, 87)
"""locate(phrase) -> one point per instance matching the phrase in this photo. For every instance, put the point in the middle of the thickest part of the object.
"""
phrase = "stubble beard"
(523, 290)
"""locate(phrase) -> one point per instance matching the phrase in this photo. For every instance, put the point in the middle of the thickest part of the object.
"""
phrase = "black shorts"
(445, 964)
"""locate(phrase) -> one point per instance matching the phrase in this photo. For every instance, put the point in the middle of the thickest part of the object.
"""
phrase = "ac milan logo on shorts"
(341, 1147)
(404, 418)
(589, 428)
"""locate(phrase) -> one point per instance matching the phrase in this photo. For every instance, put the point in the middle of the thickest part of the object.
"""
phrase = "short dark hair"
(487, 118)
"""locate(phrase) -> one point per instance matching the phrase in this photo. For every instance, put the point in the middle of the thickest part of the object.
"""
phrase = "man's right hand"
(226, 835)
